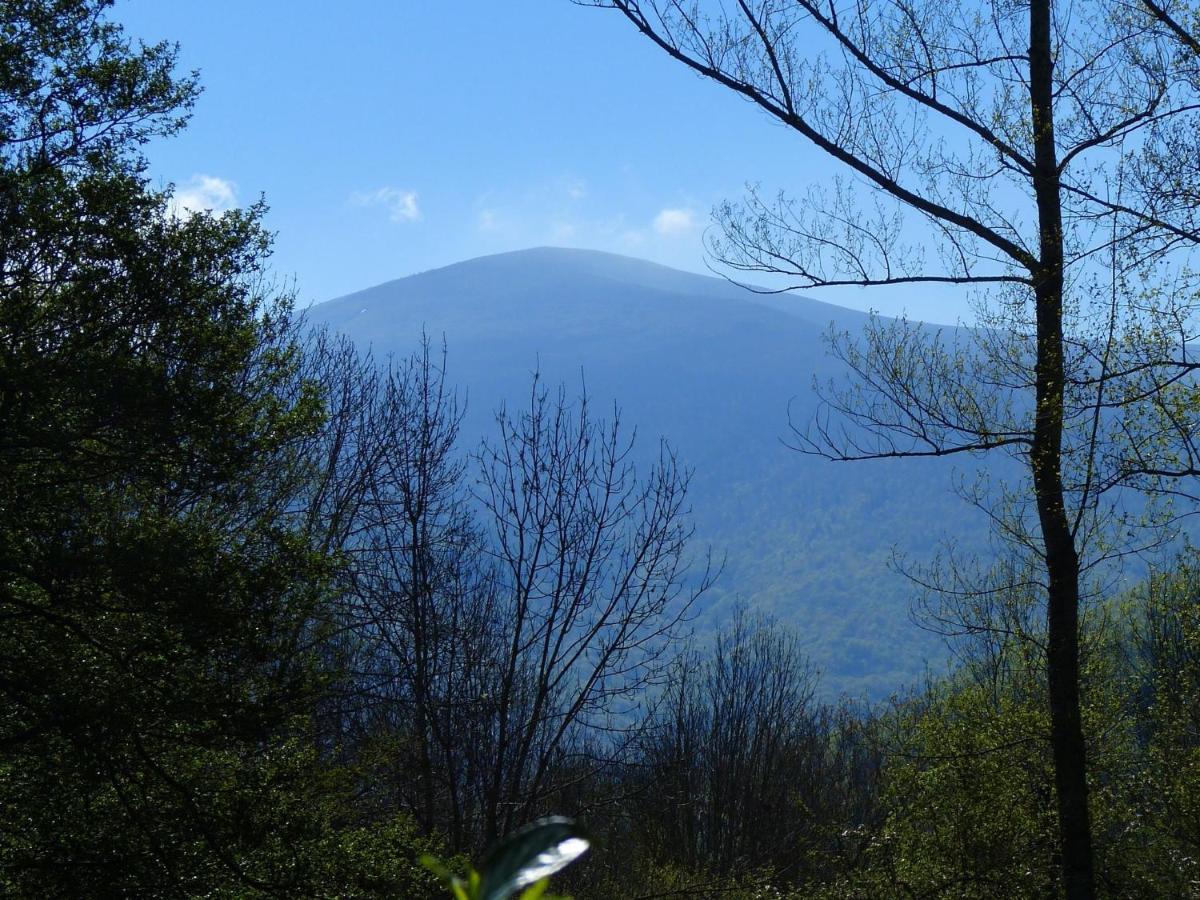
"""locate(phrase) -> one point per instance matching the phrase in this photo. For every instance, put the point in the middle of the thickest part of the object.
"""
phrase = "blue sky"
(394, 136)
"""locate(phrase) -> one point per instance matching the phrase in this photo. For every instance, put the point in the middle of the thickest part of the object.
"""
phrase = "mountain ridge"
(620, 269)
(697, 360)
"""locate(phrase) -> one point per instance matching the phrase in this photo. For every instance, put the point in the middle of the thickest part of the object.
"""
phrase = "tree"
(590, 564)
(416, 616)
(158, 598)
(1025, 143)
(745, 772)
(1165, 649)
(502, 614)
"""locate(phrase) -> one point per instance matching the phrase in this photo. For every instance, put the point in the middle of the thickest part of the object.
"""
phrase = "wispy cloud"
(672, 222)
(204, 193)
(565, 211)
(488, 219)
(575, 189)
(401, 206)
(564, 231)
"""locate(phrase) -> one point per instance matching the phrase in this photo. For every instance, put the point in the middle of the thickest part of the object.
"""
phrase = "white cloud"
(204, 193)
(488, 220)
(564, 231)
(564, 212)
(671, 222)
(401, 205)
(576, 189)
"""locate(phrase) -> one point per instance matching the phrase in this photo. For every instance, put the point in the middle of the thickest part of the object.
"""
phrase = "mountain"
(714, 369)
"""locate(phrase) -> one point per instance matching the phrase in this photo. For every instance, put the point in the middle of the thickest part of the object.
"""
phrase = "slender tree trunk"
(1062, 560)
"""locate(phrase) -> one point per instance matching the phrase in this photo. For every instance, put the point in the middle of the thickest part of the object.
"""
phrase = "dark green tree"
(158, 604)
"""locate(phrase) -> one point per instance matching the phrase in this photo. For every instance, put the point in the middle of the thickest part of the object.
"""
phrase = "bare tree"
(1038, 148)
(501, 614)
(415, 630)
(591, 567)
(746, 770)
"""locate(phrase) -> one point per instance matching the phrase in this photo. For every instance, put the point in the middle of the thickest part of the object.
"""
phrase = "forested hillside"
(705, 365)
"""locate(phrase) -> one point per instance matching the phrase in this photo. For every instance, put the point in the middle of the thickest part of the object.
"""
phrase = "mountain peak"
(552, 278)
(720, 372)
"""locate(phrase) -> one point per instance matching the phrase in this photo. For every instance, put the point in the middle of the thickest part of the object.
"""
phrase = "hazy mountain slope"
(698, 360)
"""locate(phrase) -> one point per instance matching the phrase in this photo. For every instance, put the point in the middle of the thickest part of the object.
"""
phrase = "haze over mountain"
(714, 369)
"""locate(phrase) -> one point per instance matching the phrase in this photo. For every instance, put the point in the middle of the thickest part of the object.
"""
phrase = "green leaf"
(452, 881)
(529, 855)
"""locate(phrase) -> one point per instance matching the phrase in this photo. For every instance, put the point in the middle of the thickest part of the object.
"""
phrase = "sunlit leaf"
(530, 855)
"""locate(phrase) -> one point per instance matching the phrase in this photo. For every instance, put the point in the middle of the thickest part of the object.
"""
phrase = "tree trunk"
(1062, 560)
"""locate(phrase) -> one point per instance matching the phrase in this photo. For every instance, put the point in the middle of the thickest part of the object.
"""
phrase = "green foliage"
(969, 788)
(371, 860)
(968, 782)
(1165, 695)
(665, 880)
(158, 604)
